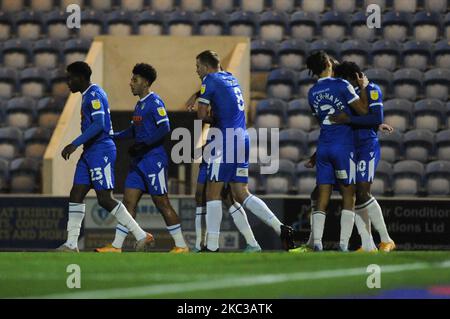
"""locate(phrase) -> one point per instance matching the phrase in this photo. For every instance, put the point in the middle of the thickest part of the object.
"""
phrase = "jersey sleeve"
(206, 90)
(94, 105)
(375, 96)
(348, 92)
(159, 112)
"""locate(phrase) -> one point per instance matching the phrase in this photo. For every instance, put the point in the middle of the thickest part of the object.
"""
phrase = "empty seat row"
(21, 175)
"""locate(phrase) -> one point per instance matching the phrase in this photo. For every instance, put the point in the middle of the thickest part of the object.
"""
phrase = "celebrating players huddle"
(347, 154)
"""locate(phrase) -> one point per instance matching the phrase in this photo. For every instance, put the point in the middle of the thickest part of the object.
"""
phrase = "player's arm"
(375, 115)
(125, 134)
(204, 114)
(360, 105)
(190, 103)
(204, 104)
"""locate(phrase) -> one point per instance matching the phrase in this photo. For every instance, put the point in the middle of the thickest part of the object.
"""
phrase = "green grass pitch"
(221, 275)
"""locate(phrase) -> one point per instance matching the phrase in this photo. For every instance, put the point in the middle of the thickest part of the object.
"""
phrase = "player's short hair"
(146, 71)
(209, 58)
(347, 71)
(317, 62)
(80, 68)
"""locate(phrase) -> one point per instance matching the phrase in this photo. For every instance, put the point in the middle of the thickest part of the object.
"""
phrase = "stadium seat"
(281, 83)
(356, 51)
(243, 23)
(163, 5)
(381, 3)
(120, 23)
(48, 111)
(12, 5)
(396, 25)
(391, 146)
(427, 26)
(293, 144)
(397, 113)
(405, 5)
(313, 137)
(359, 29)
(292, 54)
(181, 23)
(443, 145)
(419, 145)
(35, 141)
(436, 5)
(334, 26)
(191, 5)
(58, 84)
(4, 175)
(92, 24)
(304, 25)
(329, 46)
(428, 114)
(107, 5)
(10, 142)
(47, 53)
(283, 5)
(346, 6)
(256, 6)
(8, 82)
(381, 184)
(212, 23)
(273, 25)
(442, 53)
(306, 178)
(56, 25)
(16, 53)
(447, 26)
(6, 26)
(299, 115)
(263, 55)
(416, 55)
(305, 82)
(76, 50)
(437, 82)
(222, 5)
(64, 3)
(33, 82)
(254, 178)
(437, 177)
(150, 23)
(381, 77)
(385, 54)
(29, 25)
(407, 84)
(408, 177)
(282, 181)
(316, 6)
(24, 175)
(270, 113)
(20, 112)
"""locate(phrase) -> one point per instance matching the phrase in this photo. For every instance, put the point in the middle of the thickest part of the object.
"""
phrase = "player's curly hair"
(145, 70)
(317, 62)
(347, 71)
(80, 68)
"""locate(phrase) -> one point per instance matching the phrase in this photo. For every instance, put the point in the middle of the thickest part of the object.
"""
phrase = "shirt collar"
(328, 77)
(88, 88)
(142, 100)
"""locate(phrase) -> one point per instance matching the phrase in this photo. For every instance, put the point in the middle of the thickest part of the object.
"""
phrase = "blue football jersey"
(221, 90)
(330, 96)
(375, 100)
(95, 101)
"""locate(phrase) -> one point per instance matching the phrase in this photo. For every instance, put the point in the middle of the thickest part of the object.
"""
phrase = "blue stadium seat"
(263, 54)
(407, 83)
(316, 6)
(355, 51)
(305, 82)
(304, 25)
(12, 5)
(33, 82)
(299, 115)
(10, 142)
(397, 113)
(48, 111)
(56, 25)
(8, 82)
(281, 83)
(76, 50)
(437, 82)
(293, 143)
(222, 5)
(4, 175)
(47, 53)
(191, 5)
(428, 114)
(212, 23)
(243, 23)
(150, 23)
(20, 112)
(416, 54)
(436, 5)
(182, 23)
(92, 24)
(334, 26)
(273, 25)
(284, 5)
(292, 54)
(270, 113)
(163, 5)
(120, 23)
(6, 26)
(408, 178)
(283, 180)
(107, 5)
(306, 178)
(443, 145)
(441, 53)
(382, 181)
(427, 26)
(346, 6)
(391, 146)
(35, 141)
(385, 54)
(419, 145)
(329, 46)
(359, 29)
(313, 137)
(381, 77)
(16, 53)
(396, 25)
(29, 25)
(24, 175)
(437, 177)
(256, 6)
(405, 5)
(58, 83)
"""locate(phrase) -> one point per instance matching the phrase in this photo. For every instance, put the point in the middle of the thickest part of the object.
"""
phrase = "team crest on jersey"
(96, 104)
(161, 111)
(374, 94)
(203, 89)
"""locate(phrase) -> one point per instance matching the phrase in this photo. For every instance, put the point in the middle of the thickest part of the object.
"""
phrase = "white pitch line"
(243, 281)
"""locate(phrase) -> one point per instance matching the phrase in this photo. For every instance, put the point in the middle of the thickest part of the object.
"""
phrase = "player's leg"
(313, 200)
(200, 207)
(347, 214)
(213, 213)
(239, 216)
(362, 220)
(319, 214)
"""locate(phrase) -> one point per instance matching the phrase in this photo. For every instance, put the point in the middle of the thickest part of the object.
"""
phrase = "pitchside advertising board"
(39, 223)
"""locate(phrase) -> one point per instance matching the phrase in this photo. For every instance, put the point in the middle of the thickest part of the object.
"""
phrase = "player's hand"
(190, 103)
(363, 81)
(340, 118)
(385, 128)
(69, 149)
(311, 162)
